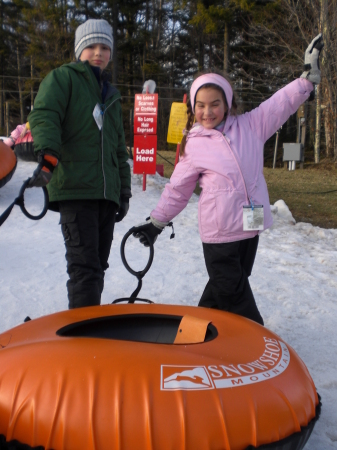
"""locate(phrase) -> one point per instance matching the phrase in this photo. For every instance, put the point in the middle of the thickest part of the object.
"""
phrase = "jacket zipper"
(250, 201)
(102, 145)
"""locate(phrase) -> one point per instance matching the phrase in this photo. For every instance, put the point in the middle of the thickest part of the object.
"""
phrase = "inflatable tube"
(8, 163)
(152, 377)
(24, 148)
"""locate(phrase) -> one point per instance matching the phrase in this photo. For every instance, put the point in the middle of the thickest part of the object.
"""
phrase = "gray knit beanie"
(93, 31)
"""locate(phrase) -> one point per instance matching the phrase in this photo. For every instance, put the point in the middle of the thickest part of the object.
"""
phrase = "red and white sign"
(145, 114)
(144, 154)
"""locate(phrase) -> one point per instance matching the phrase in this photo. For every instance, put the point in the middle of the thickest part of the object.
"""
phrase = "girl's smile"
(210, 107)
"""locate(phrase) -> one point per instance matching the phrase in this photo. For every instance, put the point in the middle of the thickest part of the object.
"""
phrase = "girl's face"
(98, 55)
(209, 107)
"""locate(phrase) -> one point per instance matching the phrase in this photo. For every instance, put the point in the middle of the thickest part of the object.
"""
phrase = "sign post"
(178, 119)
(145, 135)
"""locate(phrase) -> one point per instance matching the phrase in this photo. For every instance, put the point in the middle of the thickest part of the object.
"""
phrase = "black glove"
(123, 208)
(311, 60)
(151, 227)
(123, 204)
(44, 171)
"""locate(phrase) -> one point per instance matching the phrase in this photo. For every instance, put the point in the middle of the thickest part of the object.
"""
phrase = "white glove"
(311, 60)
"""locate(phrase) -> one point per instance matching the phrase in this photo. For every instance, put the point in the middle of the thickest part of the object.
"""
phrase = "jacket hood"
(78, 66)
(83, 66)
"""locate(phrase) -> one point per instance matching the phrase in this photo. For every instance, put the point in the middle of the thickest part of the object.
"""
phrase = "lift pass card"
(253, 218)
(97, 113)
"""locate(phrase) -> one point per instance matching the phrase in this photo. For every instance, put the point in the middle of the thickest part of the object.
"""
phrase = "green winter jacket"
(92, 162)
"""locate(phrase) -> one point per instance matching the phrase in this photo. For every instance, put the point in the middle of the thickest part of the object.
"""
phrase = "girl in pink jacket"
(224, 153)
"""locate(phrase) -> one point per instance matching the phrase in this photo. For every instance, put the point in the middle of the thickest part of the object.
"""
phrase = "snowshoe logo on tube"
(185, 378)
(272, 363)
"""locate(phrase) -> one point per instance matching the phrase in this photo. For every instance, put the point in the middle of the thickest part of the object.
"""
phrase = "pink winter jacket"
(229, 168)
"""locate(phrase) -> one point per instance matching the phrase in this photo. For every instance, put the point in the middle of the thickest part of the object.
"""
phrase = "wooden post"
(303, 131)
(177, 154)
(299, 116)
(276, 146)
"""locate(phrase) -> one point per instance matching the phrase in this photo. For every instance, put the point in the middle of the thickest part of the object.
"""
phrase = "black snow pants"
(229, 265)
(87, 227)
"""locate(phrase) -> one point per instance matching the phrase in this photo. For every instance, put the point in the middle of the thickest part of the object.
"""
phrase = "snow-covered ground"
(294, 278)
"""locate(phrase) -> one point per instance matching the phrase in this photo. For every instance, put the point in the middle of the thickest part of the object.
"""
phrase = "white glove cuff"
(314, 76)
(158, 224)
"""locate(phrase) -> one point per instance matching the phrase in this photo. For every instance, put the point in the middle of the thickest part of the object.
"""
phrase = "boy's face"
(97, 55)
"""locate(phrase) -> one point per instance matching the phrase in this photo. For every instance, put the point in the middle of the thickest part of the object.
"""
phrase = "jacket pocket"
(229, 205)
(114, 159)
(70, 230)
(113, 182)
(80, 175)
(83, 151)
(220, 213)
(207, 215)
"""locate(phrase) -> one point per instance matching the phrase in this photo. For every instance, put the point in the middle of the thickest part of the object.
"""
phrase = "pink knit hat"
(214, 79)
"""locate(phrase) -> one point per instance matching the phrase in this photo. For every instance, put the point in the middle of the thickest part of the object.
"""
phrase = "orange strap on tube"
(191, 330)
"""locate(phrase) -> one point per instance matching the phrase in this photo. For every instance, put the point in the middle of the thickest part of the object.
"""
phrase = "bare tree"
(277, 36)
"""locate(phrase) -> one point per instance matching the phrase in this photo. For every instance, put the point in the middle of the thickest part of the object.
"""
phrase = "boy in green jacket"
(78, 135)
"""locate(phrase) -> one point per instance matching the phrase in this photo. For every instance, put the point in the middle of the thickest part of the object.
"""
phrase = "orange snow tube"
(7, 163)
(152, 377)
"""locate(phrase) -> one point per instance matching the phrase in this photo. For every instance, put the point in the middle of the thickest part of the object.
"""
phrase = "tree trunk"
(32, 84)
(19, 84)
(115, 59)
(318, 124)
(1, 105)
(328, 131)
(2, 73)
(325, 89)
(159, 24)
(172, 45)
(319, 88)
(226, 49)
(335, 134)
(7, 119)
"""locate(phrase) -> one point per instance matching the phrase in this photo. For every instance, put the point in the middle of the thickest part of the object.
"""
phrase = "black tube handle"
(21, 202)
(138, 274)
